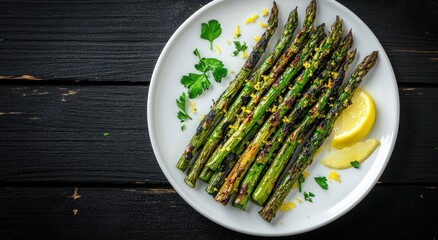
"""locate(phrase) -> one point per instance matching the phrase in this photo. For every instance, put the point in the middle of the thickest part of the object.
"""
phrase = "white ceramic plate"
(168, 141)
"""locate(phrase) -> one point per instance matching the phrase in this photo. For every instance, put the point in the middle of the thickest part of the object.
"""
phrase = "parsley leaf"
(355, 164)
(106, 134)
(239, 47)
(211, 64)
(196, 83)
(322, 182)
(308, 196)
(301, 179)
(181, 103)
(183, 127)
(210, 31)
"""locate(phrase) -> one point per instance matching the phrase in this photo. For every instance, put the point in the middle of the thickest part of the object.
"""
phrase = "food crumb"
(232, 71)
(244, 55)
(237, 31)
(287, 206)
(262, 25)
(252, 18)
(257, 39)
(218, 49)
(333, 175)
(75, 194)
(299, 200)
(228, 41)
(281, 222)
(192, 106)
(265, 12)
(75, 212)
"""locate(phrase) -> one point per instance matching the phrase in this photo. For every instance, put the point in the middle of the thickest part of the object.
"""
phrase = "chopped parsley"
(239, 47)
(301, 179)
(210, 31)
(106, 134)
(182, 114)
(308, 196)
(322, 182)
(198, 83)
(355, 164)
(183, 127)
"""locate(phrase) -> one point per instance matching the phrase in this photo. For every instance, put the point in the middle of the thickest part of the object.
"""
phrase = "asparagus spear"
(322, 131)
(225, 100)
(264, 188)
(265, 154)
(248, 89)
(273, 93)
(245, 161)
(218, 177)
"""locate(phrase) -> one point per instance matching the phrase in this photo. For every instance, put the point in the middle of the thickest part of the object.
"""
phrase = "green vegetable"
(182, 114)
(355, 164)
(239, 47)
(318, 137)
(198, 83)
(308, 196)
(211, 64)
(210, 31)
(183, 127)
(106, 134)
(322, 182)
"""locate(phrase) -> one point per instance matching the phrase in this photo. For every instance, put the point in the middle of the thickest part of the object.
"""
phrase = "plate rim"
(151, 131)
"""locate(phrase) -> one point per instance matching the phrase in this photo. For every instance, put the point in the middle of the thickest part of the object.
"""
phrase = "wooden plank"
(56, 134)
(121, 40)
(390, 212)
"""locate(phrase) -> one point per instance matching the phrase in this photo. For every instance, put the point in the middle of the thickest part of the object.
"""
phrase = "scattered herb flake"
(181, 102)
(301, 180)
(308, 196)
(355, 164)
(239, 47)
(210, 31)
(322, 182)
(106, 134)
(183, 127)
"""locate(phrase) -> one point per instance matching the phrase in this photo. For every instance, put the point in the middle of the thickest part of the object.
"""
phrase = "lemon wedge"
(356, 121)
(341, 159)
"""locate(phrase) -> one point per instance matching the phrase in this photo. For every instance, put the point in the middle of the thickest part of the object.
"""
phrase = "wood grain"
(141, 213)
(56, 134)
(121, 40)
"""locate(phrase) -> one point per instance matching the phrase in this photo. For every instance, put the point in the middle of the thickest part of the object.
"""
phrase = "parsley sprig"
(198, 83)
(182, 113)
(239, 47)
(210, 31)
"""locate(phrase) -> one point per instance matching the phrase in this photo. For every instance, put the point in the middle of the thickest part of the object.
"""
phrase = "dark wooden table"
(74, 70)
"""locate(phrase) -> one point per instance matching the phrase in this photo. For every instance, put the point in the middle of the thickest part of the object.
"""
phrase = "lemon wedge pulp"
(342, 158)
(356, 121)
